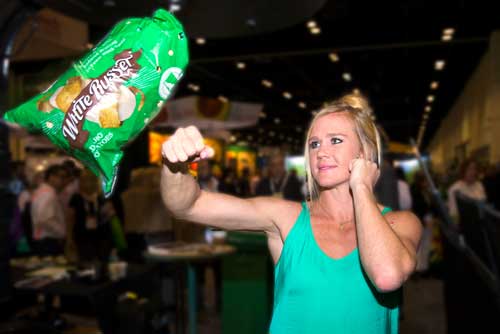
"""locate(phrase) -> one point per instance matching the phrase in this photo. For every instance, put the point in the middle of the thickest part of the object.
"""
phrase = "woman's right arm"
(184, 198)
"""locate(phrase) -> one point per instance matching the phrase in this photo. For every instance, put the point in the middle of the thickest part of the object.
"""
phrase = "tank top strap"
(385, 210)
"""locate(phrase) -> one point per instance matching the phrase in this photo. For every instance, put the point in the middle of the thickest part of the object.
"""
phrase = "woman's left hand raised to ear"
(363, 173)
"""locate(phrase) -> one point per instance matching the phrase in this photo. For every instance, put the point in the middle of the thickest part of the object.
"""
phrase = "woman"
(468, 184)
(339, 258)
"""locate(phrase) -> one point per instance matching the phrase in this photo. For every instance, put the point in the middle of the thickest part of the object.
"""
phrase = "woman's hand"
(363, 173)
(185, 145)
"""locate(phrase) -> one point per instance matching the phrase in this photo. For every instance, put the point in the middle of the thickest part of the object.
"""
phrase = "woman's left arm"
(387, 244)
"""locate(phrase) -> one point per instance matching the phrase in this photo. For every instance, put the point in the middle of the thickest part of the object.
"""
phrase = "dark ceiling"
(388, 47)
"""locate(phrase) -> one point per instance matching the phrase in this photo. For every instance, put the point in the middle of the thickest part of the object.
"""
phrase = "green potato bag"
(107, 97)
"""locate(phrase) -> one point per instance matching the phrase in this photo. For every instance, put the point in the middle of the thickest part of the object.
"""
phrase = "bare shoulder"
(283, 213)
(278, 209)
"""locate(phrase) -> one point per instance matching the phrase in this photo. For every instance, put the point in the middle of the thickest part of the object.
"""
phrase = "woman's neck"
(337, 203)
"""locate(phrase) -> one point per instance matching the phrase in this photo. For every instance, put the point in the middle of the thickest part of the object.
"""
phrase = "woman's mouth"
(323, 168)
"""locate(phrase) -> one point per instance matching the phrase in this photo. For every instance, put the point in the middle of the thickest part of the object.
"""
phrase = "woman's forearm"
(179, 189)
(384, 256)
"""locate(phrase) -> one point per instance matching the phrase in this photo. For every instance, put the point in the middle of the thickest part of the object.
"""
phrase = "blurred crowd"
(61, 210)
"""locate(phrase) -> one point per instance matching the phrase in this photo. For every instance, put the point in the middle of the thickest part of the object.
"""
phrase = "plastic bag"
(107, 98)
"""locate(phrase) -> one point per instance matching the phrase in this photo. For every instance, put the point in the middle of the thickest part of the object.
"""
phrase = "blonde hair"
(359, 110)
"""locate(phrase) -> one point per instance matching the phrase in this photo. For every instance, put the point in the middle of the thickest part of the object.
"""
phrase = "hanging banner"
(208, 113)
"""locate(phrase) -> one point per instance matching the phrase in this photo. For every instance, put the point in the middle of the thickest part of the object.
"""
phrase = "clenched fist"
(363, 172)
(185, 145)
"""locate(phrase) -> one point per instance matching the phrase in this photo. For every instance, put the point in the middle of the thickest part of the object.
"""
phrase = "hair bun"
(357, 101)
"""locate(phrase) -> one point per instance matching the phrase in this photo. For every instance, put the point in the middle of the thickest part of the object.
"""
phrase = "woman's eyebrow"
(335, 134)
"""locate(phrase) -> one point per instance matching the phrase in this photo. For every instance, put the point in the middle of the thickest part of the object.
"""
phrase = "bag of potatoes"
(107, 98)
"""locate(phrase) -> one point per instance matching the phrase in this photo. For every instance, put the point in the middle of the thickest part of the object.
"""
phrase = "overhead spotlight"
(428, 108)
(302, 105)
(356, 91)
(334, 57)
(426, 116)
(201, 41)
(287, 95)
(448, 31)
(430, 98)
(439, 65)
(434, 85)
(193, 87)
(174, 8)
(347, 76)
(315, 31)
(277, 121)
(222, 98)
(311, 24)
(241, 65)
(232, 139)
(446, 38)
(267, 83)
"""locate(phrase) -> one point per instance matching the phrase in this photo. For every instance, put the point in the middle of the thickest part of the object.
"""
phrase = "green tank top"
(315, 293)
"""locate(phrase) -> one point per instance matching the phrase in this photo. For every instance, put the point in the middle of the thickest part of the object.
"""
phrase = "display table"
(188, 255)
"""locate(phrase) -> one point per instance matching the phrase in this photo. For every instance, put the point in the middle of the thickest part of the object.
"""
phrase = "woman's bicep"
(233, 213)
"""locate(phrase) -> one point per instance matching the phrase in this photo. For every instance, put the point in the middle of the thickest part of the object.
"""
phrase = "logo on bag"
(110, 81)
(168, 80)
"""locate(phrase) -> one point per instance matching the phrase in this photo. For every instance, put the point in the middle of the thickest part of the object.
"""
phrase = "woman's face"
(471, 173)
(333, 143)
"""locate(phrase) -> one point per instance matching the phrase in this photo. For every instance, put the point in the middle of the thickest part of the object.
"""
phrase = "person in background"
(491, 184)
(340, 258)
(422, 207)
(273, 183)
(404, 193)
(205, 178)
(386, 189)
(467, 184)
(47, 214)
(83, 214)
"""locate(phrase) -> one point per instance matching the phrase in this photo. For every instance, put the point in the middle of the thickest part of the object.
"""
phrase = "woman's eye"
(314, 144)
(336, 140)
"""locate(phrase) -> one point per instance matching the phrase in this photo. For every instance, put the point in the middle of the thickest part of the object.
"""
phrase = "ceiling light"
(277, 121)
(434, 85)
(448, 31)
(347, 76)
(315, 31)
(262, 114)
(302, 105)
(287, 95)
(426, 116)
(200, 41)
(174, 8)
(428, 109)
(222, 98)
(267, 83)
(241, 65)
(446, 38)
(312, 24)
(439, 65)
(193, 87)
(334, 57)
(232, 139)
(430, 98)
(356, 91)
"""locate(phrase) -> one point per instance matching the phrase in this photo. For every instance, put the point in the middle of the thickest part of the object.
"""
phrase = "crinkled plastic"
(107, 98)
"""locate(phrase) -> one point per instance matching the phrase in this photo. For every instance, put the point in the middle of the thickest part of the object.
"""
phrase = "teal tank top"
(317, 294)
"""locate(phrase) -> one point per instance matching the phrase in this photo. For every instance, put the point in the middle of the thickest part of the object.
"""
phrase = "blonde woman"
(340, 258)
